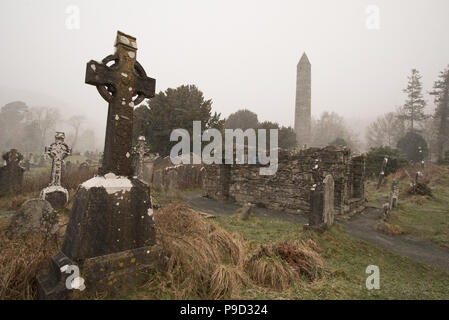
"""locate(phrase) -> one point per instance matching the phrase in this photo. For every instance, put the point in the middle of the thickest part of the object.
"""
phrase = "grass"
(347, 258)
(419, 217)
(338, 267)
(263, 258)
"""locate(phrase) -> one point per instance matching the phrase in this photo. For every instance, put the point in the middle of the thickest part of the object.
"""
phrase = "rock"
(35, 215)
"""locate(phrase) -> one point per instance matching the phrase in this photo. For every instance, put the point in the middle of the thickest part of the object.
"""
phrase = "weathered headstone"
(149, 166)
(386, 212)
(83, 168)
(55, 193)
(34, 215)
(328, 210)
(110, 234)
(139, 151)
(321, 215)
(382, 172)
(394, 194)
(11, 175)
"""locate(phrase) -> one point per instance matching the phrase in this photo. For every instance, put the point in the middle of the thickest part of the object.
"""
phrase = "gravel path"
(361, 226)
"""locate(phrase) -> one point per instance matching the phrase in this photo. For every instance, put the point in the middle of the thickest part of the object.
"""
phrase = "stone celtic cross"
(140, 151)
(122, 82)
(57, 151)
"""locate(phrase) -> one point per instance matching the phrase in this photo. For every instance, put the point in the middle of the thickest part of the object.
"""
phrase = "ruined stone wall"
(289, 188)
(171, 179)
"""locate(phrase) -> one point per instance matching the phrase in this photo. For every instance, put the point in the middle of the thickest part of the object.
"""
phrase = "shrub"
(410, 146)
(375, 156)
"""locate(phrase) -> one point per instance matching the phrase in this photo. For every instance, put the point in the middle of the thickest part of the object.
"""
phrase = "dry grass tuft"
(204, 260)
(389, 229)
(21, 259)
(269, 270)
(277, 265)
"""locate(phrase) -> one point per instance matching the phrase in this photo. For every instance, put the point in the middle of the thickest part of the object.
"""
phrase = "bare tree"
(46, 119)
(386, 130)
(329, 127)
(75, 122)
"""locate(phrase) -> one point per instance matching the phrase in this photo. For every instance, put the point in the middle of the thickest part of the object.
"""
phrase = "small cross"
(122, 82)
(58, 151)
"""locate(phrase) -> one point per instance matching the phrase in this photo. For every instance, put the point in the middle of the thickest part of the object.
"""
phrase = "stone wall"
(289, 188)
(171, 179)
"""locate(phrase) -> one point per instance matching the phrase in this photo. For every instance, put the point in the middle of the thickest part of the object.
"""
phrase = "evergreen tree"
(173, 109)
(441, 116)
(413, 109)
(242, 119)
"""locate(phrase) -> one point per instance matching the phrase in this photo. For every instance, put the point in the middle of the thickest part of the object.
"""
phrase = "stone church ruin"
(289, 189)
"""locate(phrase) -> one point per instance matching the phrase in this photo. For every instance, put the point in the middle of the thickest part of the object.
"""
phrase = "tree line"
(409, 128)
(30, 129)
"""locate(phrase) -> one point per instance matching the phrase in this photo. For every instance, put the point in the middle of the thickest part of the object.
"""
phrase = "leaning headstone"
(110, 236)
(11, 175)
(34, 215)
(55, 193)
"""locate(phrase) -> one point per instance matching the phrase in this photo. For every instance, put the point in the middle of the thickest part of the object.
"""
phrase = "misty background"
(240, 54)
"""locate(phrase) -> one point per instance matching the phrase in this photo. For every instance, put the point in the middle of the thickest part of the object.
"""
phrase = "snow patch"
(51, 189)
(111, 182)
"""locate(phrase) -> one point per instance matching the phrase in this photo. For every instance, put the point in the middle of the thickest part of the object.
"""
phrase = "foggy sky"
(241, 54)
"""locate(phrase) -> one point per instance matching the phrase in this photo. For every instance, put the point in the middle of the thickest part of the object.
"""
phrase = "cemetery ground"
(265, 257)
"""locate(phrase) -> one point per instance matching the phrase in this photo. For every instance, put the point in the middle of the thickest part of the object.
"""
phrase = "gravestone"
(321, 199)
(139, 151)
(110, 235)
(34, 215)
(394, 194)
(55, 193)
(149, 166)
(83, 168)
(11, 175)
(328, 193)
(382, 172)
